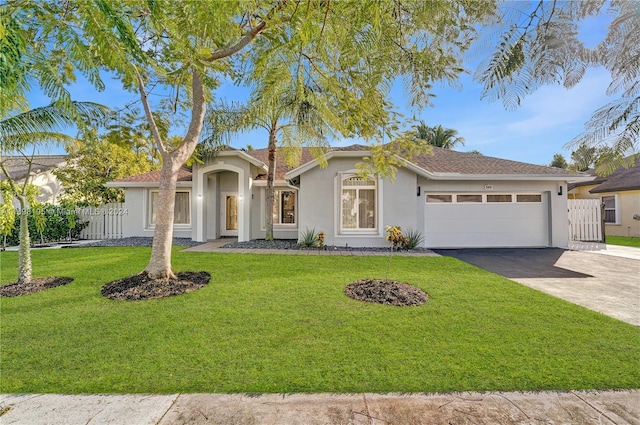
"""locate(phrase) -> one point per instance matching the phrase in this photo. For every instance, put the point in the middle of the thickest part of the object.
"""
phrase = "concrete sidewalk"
(573, 407)
(629, 252)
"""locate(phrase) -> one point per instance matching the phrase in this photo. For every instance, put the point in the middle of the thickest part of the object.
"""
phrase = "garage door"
(467, 220)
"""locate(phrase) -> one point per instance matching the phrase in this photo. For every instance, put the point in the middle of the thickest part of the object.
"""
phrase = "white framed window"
(284, 207)
(492, 198)
(439, 198)
(479, 198)
(181, 211)
(467, 199)
(358, 203)
(610, 209)
(535, 198)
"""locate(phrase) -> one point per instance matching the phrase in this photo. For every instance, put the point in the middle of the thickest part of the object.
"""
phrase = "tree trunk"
(159, 266)
(24, 252)
(270, 173)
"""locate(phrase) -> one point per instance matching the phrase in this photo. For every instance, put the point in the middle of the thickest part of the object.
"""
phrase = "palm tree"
(291, 119)
(438, 136)
(422, 131)
(36, 126)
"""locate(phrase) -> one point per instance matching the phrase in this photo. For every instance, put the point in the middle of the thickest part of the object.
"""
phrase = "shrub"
(311, 239)
(414, 239)
(60, 223)
(411, 240)
(395, 236)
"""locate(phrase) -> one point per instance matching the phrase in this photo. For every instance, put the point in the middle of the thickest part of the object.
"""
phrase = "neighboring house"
(454, 199)
(620, 194)
(41, 173)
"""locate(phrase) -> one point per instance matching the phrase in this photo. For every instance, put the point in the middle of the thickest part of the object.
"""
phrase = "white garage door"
(459, 220)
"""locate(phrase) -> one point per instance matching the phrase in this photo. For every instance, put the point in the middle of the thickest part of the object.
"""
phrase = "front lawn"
(623, 240)
(281, 324)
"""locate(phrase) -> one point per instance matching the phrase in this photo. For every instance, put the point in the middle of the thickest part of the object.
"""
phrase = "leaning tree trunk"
(24, 251)
(159, 266)
(270, 173)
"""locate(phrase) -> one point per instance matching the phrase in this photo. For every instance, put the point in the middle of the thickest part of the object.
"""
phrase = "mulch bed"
(142, 287)
(387, 292)
(36, 285)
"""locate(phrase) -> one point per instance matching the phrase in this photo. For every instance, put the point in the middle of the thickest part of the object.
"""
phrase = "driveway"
(603, 283)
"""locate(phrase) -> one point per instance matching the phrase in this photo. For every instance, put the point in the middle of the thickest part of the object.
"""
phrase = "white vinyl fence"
(585, 220)
(105, 221)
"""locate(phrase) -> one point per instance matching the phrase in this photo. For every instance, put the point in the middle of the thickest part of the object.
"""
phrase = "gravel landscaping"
(136, 241)
(292, 244)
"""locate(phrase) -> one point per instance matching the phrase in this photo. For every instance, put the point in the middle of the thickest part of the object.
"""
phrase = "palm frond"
(19, 130)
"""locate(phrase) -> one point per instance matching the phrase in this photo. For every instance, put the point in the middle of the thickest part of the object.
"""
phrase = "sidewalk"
(573, 407)
(606, 249)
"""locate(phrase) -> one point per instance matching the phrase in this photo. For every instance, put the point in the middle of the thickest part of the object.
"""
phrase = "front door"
(228, 214)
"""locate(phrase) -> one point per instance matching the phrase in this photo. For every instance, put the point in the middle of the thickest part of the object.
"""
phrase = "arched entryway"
(220, 207)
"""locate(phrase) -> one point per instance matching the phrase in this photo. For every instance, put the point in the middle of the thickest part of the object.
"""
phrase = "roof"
(595, 181)
(447, 164)
(620, 180)
(443, 162)
(282, 166)
(453, 162)
(154, 177)
(18, 166)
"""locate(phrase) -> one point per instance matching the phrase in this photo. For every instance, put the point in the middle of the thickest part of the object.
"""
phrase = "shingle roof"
(448, 161)
(154, 177)
(620, 180)
(282, 166)
(18, 167)
(590, 172)
(441, 161)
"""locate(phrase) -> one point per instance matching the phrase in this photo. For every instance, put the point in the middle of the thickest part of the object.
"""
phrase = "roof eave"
(125, 185)
(246, 157)
(520, 177)
(614, 189)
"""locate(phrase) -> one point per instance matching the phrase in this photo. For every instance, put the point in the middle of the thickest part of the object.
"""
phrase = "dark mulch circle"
(36, 285)
(387, 292)
(142, 287)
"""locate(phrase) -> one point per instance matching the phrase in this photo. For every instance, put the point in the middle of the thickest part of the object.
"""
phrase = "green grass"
(281, 324)
(623, 240)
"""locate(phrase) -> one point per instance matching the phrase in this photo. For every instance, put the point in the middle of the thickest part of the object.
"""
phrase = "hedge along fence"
(48, 223)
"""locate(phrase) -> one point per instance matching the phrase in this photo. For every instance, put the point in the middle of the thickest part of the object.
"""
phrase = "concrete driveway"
(604, 283)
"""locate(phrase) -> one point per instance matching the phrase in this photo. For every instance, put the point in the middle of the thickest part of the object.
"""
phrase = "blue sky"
(544, 123)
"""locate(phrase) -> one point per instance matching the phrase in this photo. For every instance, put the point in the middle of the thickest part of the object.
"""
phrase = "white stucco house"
(454, 199)
(40, 174)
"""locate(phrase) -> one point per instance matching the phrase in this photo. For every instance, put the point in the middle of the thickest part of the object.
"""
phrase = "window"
(529, 198)
(181, 211)
(439, 199)
(469, 198)
(478, 198)
(498, 198)
(284, 207)
(610, 213)
(358, 203)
